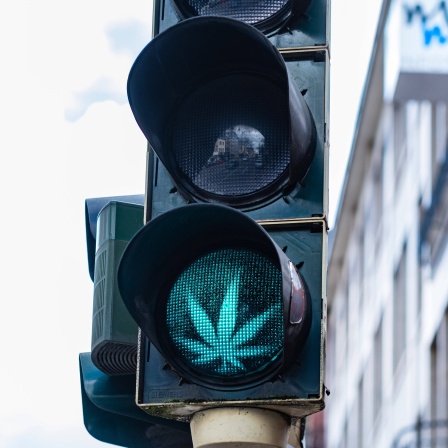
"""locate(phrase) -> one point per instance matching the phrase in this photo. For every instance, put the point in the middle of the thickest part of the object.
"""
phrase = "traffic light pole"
(239, 427)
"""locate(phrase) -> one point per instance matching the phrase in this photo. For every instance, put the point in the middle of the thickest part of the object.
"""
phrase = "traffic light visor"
(213, 97)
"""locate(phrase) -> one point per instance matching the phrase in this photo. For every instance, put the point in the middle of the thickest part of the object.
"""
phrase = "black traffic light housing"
(235, 122)
(236, 116)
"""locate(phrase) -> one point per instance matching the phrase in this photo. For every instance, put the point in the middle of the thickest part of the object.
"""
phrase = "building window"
(400, 139)
(341, 334)
(439, 385)
(346, 316)
(378, 199)
(353, 425)
(343, 443)
(369, 247)
(378, 372)
(436, 222)
(399, 310)
(439, 138)
(379, 151)
(361, 277)
(433, 386)
(330, 363)
(354, 303)
(360, 414)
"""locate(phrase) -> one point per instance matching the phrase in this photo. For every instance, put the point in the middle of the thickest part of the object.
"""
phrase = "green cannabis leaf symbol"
(222, 343)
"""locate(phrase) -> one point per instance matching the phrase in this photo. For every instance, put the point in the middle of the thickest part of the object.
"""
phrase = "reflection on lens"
(239, 148)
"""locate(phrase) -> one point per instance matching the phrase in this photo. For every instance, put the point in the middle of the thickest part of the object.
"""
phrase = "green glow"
(225, 313)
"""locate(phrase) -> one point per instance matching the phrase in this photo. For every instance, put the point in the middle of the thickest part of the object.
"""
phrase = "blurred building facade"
(387, 339)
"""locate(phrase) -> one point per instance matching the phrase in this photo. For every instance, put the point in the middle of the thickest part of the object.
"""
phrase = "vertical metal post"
(239, 428)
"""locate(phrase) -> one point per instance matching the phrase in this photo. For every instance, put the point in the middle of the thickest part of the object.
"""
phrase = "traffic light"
(230, 319)
(110, 414)
(227, 278)
(110, 225)
(108, 372)
(233, 127)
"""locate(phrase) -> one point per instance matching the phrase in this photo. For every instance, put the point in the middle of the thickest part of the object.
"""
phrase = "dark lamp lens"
(231, 139)
(225, 314)
(249, 11)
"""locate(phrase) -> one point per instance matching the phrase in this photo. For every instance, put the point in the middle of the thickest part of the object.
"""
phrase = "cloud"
(128, 37)
(125, 41)
(107, 150)
(102, 89)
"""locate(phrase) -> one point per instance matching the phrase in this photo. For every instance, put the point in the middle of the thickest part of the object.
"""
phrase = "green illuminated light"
(225, 313)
